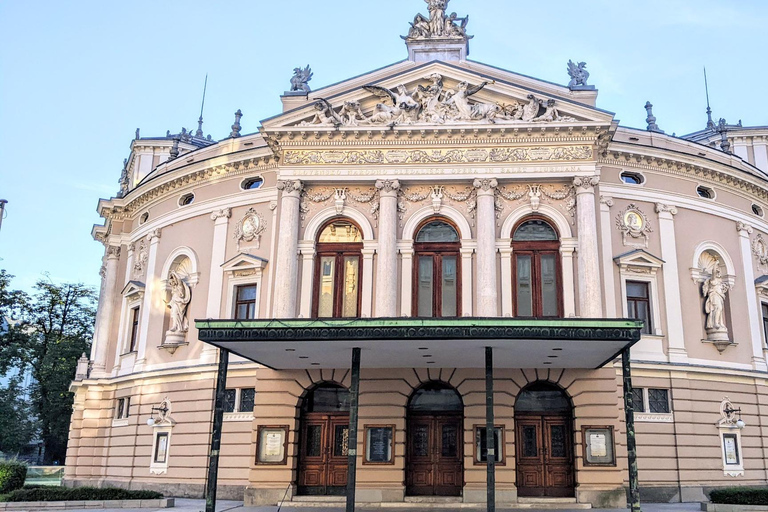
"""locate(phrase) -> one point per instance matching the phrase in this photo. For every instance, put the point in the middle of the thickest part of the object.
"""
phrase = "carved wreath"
(250, 228)
(634, 227)
(760, 250)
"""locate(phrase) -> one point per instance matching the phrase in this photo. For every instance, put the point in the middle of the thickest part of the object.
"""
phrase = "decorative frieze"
(437, 156)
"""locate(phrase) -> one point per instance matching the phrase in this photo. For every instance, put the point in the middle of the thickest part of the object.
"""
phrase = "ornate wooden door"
(544, 447)
(324, 446)
(434, 456)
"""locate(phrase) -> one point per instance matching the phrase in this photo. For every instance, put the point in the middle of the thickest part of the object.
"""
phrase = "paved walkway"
(184, 505)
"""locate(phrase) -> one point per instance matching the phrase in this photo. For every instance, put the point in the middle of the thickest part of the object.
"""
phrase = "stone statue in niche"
(714, 288)
(178, 304)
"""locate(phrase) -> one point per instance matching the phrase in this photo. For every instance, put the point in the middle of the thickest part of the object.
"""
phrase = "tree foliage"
(48, 332)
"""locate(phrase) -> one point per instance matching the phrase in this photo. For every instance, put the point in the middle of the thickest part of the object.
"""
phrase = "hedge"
(79, 494)
(13, 473)
(740, 496)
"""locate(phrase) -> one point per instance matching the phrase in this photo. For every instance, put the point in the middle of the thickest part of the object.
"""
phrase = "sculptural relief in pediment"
(433, 103)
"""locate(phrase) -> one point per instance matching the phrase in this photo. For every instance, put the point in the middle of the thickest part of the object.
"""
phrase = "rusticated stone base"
(168, 489)
(616, 498)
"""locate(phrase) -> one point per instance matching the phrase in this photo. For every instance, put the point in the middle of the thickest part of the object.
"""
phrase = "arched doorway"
(434, 452)
(544, 441)
(324, 441)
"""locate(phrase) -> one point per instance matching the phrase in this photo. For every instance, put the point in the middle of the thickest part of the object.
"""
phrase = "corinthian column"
(590, 289)
(386, 280)
(286, 270)
(487, 281)
(106, 310)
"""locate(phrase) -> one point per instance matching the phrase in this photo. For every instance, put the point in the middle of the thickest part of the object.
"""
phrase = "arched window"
(536, 269)
(327, 397)
(337, 270)
(437, 271)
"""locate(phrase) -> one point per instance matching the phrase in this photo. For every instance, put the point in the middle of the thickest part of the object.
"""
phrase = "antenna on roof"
(199, 132)
(710, 123)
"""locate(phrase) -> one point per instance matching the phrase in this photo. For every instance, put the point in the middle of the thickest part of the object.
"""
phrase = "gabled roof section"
(639, 260)
(437, 94)
(244, 262)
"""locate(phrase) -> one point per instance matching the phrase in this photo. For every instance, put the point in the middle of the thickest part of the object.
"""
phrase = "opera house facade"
(438, 281)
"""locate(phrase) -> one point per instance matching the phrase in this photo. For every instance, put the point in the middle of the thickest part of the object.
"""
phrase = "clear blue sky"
(77, 78)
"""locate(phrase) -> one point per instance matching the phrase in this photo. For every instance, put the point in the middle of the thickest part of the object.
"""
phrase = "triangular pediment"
(133, 288)
(639, 261)
(244, 262)
(439, 95)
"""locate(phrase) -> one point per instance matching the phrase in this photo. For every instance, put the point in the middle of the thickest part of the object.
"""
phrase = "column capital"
(388, 188)
(224, 213)
(743, 229)
(666, 208)
(606, 202)
(113, 252)
(485, 186)
(291, 188)
(154, 235)
(586, 184)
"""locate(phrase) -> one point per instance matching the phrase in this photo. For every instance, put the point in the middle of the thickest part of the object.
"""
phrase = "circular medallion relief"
(634, 221)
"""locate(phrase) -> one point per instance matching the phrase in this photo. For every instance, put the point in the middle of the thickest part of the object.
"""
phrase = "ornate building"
(422, 271)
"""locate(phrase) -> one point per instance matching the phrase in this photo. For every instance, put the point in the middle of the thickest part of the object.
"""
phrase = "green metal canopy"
(424, 342)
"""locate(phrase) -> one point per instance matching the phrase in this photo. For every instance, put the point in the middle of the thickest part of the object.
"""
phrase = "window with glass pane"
(765, 321)
(337, 272)
(247, 397)
(134, 329)
(658, 401)
(639, 303)
(437, 271)
(536, 270)
(637, 400)
(230, 396)
(245, 303)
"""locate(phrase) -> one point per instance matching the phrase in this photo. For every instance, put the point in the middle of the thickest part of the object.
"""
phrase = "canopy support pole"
(218, 420)
(354, 395)
(490, 428)
(633, 501)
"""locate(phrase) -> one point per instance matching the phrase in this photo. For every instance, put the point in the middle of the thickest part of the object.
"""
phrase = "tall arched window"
(437, 271)
(337, 270)
(536, 269)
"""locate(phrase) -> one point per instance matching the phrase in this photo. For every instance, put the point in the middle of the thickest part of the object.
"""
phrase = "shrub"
(740, 496)
(13, 473)
(79, 494)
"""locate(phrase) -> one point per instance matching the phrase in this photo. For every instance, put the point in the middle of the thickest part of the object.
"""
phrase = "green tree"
(59, 319)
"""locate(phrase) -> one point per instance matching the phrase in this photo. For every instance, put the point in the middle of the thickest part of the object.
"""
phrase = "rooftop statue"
(433, 104)
(579, 75)
(300, 79)
(438, 24)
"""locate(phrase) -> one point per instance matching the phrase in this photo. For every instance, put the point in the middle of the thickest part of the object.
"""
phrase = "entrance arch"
(434, 441)
(324, 441)
(544, 441)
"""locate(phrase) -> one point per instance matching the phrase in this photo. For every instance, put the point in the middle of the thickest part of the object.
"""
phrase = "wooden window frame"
(536, 249)
(260, 430)
(437, 250)
(632, 300)
(764, 315)
(502, 446)
(133, 339)
(391, 461)
(340, 251)
(250, 303)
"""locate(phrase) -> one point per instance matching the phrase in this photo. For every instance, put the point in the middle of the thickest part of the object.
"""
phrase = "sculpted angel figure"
(300, 79)
(467, 111)
(437, 16)
(180, 297)
(531, 109)
(431, 97)
(715, 290)
(455, 26)
(405, 109)
(578, 73)
(324, 115)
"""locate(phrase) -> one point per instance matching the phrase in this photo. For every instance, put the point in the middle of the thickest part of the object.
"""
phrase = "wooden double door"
(544, 448)
(434, 455)
(324, 448)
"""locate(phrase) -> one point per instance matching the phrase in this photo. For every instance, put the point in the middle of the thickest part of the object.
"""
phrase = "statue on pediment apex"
(438, 24)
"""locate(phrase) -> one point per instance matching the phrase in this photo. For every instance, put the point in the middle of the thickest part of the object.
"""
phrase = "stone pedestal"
(444, 49)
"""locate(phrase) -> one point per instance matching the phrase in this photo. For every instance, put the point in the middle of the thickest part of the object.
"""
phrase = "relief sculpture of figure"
(467, 111)
(180, 297)
(715, 290)
(405, 109)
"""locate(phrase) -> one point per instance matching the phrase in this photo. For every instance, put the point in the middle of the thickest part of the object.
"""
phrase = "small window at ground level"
(757, 210)
(705, 192)
(230, 397)
(638, 404)
(122, 408)
(252, 183)
(186, 199)
(247, 398)
(632, 178)
(658, 401)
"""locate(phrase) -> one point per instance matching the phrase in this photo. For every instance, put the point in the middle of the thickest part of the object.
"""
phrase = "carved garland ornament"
(321, 195)
(418, 156)
(760, 251)
(250, 228)
(634, 227)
